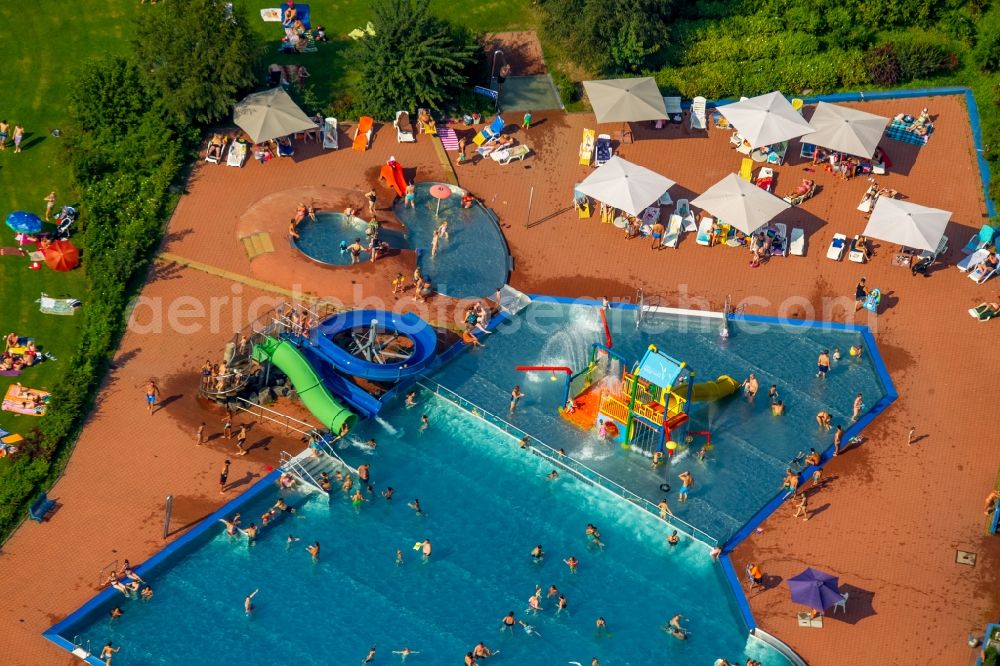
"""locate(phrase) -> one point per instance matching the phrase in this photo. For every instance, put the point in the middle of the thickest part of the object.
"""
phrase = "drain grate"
(965, 557)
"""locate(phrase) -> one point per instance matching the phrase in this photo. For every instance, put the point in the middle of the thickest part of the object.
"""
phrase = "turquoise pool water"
(321, 240)
(473, 261)
(752, 448)
(486, 504)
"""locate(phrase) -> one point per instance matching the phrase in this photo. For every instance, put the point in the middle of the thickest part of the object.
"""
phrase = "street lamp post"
(494, 68)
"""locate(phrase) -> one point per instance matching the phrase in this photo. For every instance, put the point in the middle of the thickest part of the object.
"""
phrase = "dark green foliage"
(125, 155)
(922, 55)
(569, 90)
(883, 66)
(415, 59)
(196, 57)
(609, 36)
(987, 52)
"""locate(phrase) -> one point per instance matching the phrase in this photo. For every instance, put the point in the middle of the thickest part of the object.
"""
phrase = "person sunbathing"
(987, 265)
(985, 311)
(504, 140)
(424, 118)
(803, 188)
(921, 123)
(291, 14)
(215, 146)
(861, 245)
(11, 340)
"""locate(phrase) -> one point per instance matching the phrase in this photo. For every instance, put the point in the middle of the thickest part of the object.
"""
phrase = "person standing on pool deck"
(152, 394)
(372, 198)
(526, 123)
(657, 232)
(227, 425)
(860, 294)
(200, 436)
(248, 602)
(241, 440)
(801, 509)
(515, 396)
(859, 405)
(107, 652)
(823, 364)
(224, 477)
(838, 437)
(686, 482)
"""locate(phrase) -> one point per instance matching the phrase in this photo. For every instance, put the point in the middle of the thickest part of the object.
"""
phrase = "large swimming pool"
(486, 504)
(752, 448)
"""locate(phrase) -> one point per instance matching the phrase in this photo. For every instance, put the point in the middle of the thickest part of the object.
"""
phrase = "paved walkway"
(888, 521)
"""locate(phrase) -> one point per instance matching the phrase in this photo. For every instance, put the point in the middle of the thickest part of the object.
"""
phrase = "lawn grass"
(330, 68)
(38, 67)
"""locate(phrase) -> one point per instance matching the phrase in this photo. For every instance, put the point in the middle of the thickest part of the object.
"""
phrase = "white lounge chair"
(837, 245)
(780, 246)
(675, 227)
(506, 155)
(673, 107)
(842, 604)
(857, 255)
(705, 231)
(237, 154)
(797, 242)
(683, 209)
(651, 215)
(971, 261)
(330, 134)
(404, 131)
(220, 157)
(698, 120)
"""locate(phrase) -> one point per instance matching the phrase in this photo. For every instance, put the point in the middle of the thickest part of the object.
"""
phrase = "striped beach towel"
(899, 131)
(448, 139)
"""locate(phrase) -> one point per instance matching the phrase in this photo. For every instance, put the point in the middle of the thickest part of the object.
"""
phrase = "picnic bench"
(41, 508)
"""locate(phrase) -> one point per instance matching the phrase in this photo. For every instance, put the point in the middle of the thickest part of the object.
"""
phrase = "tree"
(198, 56)
(414, 59)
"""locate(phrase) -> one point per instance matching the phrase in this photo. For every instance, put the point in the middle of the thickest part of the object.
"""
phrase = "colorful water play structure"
(639, 408)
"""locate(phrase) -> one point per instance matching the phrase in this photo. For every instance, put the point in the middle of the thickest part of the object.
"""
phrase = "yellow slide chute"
(704, 392)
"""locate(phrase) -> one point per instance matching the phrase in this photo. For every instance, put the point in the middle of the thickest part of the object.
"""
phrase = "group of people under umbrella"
(761, 121)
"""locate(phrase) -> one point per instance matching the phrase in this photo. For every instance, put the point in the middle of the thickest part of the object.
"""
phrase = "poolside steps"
(257, 243)
(513, 301)
(307, 469)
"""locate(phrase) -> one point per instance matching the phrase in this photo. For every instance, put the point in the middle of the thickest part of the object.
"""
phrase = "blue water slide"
(421, 333)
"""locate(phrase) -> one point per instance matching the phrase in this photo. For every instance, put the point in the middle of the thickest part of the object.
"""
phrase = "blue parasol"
(24, 222)
(815, 589)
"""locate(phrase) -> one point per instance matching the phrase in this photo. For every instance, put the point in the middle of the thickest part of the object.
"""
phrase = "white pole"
(527, 218)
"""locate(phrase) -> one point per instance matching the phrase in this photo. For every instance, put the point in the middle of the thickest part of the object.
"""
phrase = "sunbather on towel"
(11, 341)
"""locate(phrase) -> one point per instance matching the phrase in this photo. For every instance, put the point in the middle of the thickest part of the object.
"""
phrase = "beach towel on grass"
(11, 252)
(18, 401)
(58, 306)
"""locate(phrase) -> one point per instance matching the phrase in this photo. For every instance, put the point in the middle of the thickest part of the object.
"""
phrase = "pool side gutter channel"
(104, 598)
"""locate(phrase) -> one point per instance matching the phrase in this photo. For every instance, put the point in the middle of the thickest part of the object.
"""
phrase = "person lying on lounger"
(985, 311)
(803, 187)
(215, 146)
(987, 265)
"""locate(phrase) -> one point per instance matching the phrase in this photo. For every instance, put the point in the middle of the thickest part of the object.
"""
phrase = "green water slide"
(315, 396)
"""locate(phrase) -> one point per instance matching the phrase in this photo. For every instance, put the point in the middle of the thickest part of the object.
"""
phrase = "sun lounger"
(363, 133)
(973, 260)
(765, 179)
(807, 151)
(675, 227)
(779, 240)
(674, 113)
(698, 121)
(237, 154)
(873, 299)
(587, 147)
(651, 215)
(286, 148)
(58, 306)
(220, 156)
(404, 131)
(604, 149)
(980, 239)
(581, 202)
(797, 197)
(776, 154)
(687, 215)
(330, 140)
(837, 246)
(705, 231)
(857, 254)
(985, 311)
(797, 242)
(41, 508)
(506, 155)
(746, 169)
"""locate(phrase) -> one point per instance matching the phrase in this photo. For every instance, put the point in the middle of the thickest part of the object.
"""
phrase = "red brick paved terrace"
(888, 521)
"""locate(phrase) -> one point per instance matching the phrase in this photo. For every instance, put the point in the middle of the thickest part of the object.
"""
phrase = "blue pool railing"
(575, 467)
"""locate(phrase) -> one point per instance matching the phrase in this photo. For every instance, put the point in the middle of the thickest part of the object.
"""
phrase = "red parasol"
(440, 192)
(62, 256)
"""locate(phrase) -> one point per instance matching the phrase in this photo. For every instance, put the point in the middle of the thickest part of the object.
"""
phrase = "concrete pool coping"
(105, 598)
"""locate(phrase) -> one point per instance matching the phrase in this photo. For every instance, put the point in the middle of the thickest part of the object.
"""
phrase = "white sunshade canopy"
(846, 130)
(908, 224)
(626, 186)
(626, 100)
(766, 119)
(270, 114)
(740, 204)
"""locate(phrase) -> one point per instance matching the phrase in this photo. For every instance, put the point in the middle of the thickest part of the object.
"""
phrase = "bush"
(986, 55)
(569, 90)
(883, 66)
(923, 55)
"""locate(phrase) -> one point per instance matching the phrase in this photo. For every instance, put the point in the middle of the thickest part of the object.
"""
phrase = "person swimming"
(537, 553)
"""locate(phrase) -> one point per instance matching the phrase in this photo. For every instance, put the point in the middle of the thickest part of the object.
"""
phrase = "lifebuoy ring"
(611, 428)
(665, 487)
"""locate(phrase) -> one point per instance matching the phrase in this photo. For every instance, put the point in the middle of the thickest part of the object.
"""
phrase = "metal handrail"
(292, 466)
(575, 467)
(304, 429)
(327, 445)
